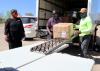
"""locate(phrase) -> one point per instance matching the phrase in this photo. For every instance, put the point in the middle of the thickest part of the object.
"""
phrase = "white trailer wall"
(94, 9)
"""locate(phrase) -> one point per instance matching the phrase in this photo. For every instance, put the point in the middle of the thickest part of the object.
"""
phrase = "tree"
(1, 18)
(8, 15)
(29, 14)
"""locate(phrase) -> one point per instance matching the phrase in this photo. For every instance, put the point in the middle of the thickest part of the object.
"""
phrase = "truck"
(45, 8)
(67, 7)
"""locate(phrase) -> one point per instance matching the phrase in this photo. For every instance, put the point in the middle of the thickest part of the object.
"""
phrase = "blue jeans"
(84, 43)
(49, 36)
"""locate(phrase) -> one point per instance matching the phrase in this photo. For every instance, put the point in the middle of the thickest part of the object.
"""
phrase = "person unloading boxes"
(55, 19)
(85, 27)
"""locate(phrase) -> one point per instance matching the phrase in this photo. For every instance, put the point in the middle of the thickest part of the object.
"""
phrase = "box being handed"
(63, 30)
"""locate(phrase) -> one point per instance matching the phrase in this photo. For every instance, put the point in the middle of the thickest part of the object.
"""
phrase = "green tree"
(1, 18)
(7, 15)
(29, 14)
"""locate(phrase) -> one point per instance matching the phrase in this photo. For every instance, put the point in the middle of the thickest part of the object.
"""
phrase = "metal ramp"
(50, 46)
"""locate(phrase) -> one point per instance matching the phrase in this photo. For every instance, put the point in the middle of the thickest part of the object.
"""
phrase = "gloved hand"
(6, 38)
(77, 32)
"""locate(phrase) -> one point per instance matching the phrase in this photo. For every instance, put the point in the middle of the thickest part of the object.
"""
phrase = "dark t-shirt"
(52, 22)
(14, 29)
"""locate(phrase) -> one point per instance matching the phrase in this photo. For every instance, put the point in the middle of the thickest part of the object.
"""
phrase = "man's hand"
(50, 33)
(6, 38)
(77, 32)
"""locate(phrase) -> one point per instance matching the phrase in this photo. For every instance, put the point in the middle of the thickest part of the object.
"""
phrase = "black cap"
(13, 11)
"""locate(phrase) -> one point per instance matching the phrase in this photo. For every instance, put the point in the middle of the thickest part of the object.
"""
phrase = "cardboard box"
(63, 30)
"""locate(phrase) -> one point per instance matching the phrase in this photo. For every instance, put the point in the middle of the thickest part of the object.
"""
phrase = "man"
(84, 32)
(52, 21)
(14, 31)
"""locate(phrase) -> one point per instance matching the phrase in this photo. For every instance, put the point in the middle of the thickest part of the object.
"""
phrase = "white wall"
(94, 9)
(37, 7)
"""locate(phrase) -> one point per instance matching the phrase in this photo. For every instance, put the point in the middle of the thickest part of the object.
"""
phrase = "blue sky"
(23, 6)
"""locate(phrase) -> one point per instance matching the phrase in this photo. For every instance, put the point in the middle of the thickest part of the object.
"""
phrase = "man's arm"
(76, 26)
(7, 27)
(47, 26)
(22, 28)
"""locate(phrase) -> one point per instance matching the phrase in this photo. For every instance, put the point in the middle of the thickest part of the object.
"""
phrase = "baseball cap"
(13, 10)
(83, 10)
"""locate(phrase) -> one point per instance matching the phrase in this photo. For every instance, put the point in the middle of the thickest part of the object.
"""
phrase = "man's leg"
(19, 44)
(15, 44)
(49, 36)
(85, 44)
(75, 39)
(11, 45)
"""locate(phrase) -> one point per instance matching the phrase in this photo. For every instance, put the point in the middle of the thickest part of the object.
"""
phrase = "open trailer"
(45, 7)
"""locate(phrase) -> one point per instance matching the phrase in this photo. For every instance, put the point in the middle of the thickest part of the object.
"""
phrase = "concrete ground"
(4, 46)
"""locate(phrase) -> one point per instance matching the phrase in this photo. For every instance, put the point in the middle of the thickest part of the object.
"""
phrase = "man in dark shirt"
(14, 31)
(55, 19)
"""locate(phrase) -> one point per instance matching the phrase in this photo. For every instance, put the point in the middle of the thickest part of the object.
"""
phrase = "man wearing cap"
(14, 31)
(84, 32)
(55, 19)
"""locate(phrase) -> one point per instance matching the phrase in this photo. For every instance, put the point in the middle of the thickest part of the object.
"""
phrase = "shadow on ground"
(34, 39)
(75, 50)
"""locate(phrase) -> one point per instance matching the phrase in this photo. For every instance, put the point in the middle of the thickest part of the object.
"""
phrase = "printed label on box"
(63, 35)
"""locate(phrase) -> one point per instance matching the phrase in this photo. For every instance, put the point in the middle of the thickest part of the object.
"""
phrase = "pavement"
(4, 46)
(3, 43)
